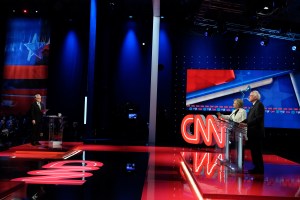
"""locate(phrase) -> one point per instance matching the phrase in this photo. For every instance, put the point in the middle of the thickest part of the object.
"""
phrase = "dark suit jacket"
(36, 113)
(255, 121)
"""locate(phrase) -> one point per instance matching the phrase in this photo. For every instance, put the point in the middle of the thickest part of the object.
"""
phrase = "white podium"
(55, 126)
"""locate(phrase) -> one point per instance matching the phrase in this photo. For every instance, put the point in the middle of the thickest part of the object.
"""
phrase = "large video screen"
(214, 91)
(25, 69)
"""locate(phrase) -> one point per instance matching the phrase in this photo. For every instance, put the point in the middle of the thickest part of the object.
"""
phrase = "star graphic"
(34, 47)
(279, 94)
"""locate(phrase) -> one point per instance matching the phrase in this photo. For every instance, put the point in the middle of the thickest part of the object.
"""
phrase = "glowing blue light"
(236, 38)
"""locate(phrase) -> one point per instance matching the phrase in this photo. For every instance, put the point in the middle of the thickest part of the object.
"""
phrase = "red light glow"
(62, 172)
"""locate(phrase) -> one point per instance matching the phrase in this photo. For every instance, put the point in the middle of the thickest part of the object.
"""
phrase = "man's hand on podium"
(45, 111)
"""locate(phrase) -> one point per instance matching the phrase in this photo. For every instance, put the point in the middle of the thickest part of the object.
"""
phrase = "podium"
(54, 126)
(237, 133)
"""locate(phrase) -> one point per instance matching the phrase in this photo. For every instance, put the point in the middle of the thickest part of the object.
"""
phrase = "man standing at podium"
(256, 131)
(36, 112)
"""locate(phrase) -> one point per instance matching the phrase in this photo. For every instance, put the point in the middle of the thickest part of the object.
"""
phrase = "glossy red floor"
(141, 172)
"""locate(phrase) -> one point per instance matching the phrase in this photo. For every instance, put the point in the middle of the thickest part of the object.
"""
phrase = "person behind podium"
(239, 114)
(37, 110)
(255, 131)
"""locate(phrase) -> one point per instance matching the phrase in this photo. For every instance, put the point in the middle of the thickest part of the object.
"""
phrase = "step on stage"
(84, 171)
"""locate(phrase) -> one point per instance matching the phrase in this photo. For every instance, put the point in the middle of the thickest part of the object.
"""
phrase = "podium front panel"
(55, 127)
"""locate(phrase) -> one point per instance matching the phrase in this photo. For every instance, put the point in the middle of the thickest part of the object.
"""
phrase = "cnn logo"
(206, 130)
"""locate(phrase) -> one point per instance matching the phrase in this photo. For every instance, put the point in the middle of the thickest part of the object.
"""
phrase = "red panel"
(25, 72)
(200, 79)
(32, 92)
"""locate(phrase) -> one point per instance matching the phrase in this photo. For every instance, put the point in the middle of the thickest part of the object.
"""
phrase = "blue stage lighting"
(264, 41)
(294, 47)
(207, 32)
(236, 38)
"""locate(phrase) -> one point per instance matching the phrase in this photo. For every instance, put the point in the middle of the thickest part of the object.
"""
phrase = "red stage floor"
(143, 172)
(281, 179)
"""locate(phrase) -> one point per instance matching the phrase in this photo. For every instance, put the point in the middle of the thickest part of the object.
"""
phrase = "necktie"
(39, 105)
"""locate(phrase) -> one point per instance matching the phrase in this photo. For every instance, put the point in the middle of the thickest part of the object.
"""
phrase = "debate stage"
(92, 171)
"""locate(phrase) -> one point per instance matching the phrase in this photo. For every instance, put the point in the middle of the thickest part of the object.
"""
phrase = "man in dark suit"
(256, 132)
(36, 111)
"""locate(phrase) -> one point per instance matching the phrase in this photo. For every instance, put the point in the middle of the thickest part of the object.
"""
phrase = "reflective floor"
(90, 171)
(213, 180)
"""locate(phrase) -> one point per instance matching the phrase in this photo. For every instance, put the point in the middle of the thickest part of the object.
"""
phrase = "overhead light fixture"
(264, 41)
(294, 46)
(236, 38)
(207, 32)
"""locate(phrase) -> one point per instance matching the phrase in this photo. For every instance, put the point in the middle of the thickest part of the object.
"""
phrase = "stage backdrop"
(215, 90)
(25, 64)
(212, 71)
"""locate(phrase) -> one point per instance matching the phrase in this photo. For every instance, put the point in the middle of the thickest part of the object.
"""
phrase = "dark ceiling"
(281, 13)
(281, 20)
(282, 17)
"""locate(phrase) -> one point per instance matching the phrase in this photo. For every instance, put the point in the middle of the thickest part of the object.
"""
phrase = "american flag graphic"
(25, 70)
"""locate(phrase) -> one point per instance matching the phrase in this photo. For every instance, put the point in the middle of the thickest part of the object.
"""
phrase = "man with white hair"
(256, 131)
(36, 112)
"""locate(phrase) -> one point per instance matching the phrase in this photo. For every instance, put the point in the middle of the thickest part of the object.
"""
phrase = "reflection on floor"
(84, 171)
(214, 181)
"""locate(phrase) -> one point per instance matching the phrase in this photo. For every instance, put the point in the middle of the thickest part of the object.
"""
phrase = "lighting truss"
(239, 28)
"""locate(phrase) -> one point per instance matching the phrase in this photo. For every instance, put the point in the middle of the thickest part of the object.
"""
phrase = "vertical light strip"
(296, 89)
(153, 98)
(154, 77)
(85, 110)
(91, 64)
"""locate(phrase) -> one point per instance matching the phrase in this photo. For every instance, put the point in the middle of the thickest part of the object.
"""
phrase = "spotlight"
(236, 38)
(207, 32)
(264, 41)
(295, 46)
